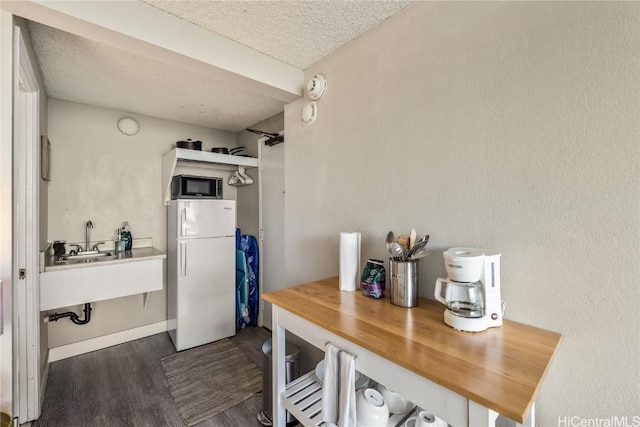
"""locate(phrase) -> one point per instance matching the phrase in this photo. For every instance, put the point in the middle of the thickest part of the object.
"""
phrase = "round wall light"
(128, 126)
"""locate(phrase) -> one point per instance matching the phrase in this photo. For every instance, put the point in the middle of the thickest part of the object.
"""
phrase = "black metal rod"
(259, 132)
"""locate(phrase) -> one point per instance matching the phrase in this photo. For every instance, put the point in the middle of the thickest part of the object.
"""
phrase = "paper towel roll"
(349, 260)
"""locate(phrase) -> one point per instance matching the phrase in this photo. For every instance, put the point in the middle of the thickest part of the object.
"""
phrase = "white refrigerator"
(201, 268)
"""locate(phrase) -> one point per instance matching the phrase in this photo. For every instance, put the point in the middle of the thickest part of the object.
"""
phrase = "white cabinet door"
(206, 291)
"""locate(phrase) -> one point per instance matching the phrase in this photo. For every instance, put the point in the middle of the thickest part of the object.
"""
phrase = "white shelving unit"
(303, 396)
(303, 399)
(196, 158)
(465, 379)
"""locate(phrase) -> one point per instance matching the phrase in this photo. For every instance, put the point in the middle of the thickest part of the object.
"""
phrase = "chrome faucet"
(87, 233)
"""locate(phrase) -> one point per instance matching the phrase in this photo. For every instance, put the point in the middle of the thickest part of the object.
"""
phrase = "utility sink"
(100, 275)
(85, 255)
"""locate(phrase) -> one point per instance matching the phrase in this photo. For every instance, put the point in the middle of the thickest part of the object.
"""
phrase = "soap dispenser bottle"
(126, 236)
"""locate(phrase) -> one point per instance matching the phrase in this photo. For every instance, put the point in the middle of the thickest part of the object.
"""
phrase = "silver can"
(404, 282)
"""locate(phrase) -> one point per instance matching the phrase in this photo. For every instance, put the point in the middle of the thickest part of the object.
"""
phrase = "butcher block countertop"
(500, 368)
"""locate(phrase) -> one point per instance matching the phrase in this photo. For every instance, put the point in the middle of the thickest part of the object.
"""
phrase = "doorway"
(25, 226)
(271, 195)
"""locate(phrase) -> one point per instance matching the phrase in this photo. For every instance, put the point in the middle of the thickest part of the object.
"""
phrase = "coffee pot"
(461, 298)
(472, 289)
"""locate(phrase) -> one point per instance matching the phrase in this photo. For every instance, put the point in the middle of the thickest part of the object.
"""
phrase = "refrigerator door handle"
(183, 222)
(183, 258)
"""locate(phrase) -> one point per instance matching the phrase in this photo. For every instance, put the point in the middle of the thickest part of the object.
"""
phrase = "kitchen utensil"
(390, 237)
(396, 250)
(389, 241)
(418, 246)
(472, 290)
(403, 240)
(371, 409)
(424, 238)
(225, 150)
(412, 238)
(420, 254)
(189, 144)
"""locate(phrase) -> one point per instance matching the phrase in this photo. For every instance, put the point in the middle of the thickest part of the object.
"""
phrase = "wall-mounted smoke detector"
(309, 113)
(316, 86)
(128, 126)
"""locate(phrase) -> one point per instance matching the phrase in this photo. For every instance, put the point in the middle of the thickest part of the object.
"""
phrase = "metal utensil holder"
(404, 282)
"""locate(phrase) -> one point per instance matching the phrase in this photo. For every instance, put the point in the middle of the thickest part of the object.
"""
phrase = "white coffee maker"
(472, 290)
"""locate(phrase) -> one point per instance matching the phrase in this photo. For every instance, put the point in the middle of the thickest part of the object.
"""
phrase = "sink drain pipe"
(73, 316)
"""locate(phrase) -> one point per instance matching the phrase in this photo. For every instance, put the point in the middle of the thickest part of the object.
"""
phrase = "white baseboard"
(82, 347)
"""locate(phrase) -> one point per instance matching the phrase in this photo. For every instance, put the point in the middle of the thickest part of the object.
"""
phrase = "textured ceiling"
(298, 33)
(80, 70)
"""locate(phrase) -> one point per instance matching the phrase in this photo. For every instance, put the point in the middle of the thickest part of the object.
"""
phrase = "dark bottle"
(125, 235)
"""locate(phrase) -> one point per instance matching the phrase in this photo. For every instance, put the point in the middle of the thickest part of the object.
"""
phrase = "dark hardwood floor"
(125, 385)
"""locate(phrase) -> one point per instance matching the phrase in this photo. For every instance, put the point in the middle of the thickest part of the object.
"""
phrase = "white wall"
(510, 126)
(101, 175)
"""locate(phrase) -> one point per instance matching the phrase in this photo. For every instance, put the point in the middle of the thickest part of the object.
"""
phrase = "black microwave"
(196, 187)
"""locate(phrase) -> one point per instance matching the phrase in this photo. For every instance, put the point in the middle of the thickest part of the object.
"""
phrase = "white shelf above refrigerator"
(198, 158)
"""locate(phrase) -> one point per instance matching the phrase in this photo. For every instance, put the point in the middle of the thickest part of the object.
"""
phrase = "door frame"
(263, 259)
(26, 232)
